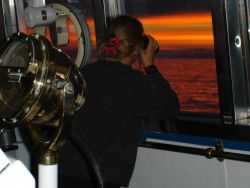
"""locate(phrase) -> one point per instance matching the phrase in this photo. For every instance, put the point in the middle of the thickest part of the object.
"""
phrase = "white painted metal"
(47, 176)
(167, 169)
(14, 174)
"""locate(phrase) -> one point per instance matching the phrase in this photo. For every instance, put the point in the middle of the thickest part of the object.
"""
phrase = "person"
(118, 96)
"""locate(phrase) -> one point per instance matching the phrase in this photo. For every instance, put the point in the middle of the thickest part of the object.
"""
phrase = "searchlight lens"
(13, 80)
(33, 75)
(17, 55)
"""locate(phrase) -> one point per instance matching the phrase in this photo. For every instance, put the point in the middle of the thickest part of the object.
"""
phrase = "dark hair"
(127, 30)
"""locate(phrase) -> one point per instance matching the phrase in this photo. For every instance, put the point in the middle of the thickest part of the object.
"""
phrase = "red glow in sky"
(173, 32)
(181, 31)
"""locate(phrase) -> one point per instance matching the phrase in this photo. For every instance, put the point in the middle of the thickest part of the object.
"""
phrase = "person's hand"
(147, 55)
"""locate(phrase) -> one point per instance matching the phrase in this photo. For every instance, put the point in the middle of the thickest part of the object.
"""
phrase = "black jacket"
(117, 98)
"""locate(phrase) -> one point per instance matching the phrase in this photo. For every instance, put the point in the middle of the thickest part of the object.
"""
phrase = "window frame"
(231, 123)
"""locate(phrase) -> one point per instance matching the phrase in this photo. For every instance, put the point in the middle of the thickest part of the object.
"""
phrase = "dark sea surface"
(194, 80)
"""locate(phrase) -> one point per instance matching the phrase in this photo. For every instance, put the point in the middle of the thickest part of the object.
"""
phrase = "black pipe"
(209, 152)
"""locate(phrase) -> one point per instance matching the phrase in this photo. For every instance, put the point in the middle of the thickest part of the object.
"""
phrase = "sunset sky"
(181, 31)
(173, 32)
(176, 30)
(177, 25)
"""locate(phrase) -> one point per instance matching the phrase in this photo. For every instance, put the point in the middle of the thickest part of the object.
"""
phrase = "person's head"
(124, 33)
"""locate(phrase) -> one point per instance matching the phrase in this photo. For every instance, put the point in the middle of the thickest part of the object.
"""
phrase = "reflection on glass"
(17, 55)
(248, 17)
(183, 29)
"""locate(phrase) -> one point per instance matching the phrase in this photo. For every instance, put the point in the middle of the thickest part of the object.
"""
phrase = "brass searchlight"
(41, 88)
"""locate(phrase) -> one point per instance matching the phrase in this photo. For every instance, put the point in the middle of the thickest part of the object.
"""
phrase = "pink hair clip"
(113, 44)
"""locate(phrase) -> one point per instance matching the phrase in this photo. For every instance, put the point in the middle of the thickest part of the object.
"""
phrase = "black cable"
(85, 151)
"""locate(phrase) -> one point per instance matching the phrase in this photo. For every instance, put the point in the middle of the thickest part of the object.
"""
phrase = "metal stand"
(48, 176)
(47, 148)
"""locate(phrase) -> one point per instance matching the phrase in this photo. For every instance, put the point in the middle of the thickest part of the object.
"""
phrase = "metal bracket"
(219, 149)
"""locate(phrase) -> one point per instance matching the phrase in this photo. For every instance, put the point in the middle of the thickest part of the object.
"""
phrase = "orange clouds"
(175, 32)
(181, 31)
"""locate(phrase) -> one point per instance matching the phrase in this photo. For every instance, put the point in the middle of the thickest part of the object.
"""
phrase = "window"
(184, 31)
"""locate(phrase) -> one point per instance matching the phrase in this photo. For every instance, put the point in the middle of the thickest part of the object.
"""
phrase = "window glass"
(183, 29)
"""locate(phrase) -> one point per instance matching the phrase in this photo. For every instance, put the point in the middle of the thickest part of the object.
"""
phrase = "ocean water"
(195, 82)
(193, 79)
